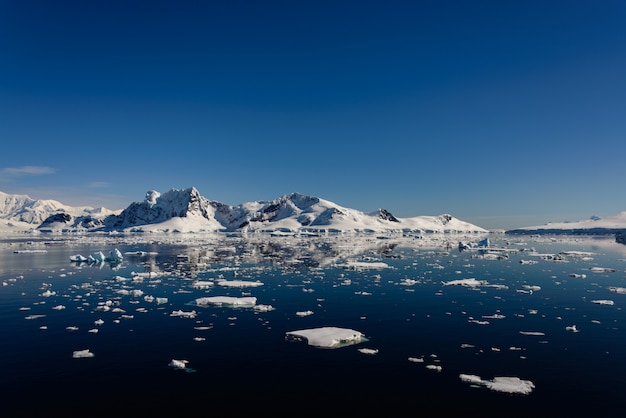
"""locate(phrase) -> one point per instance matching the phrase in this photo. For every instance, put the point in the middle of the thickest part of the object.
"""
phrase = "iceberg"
(97, 257)
(115, 255)
(501, 384)
(327, 337)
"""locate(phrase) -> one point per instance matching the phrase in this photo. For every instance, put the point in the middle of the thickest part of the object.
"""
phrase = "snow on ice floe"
(501, 384)
(245, 301)
(327, 337)
(82, 354)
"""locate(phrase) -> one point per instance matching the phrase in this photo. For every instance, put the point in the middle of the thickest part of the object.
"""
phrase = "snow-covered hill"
(607, 225)
(186, 210)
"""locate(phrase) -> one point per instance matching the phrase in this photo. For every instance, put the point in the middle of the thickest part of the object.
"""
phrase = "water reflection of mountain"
(288, 252)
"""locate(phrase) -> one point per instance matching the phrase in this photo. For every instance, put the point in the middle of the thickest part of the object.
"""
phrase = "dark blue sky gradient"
(502, 113)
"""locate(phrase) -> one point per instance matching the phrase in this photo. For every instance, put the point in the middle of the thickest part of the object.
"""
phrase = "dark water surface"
(240, 363)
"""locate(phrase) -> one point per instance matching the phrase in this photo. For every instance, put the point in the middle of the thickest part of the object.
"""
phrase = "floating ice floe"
(239, 283)
(501, 384)
(603, 302)
(304, 313)
(620, 290)
(184, 314)
(370, 351)
(82, 354)
(327, 337)
(202, 284)
(246, 301)
(263, 308)
(359, 265)
(602, 270)
(472, 282)
(533, 333)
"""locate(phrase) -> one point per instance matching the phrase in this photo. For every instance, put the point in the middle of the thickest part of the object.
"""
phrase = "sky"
(501, 113)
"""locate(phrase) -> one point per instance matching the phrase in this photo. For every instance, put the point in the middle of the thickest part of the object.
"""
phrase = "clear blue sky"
(501, 113)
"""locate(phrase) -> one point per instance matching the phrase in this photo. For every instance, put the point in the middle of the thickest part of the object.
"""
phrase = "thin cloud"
(98, 185)
(27, 170)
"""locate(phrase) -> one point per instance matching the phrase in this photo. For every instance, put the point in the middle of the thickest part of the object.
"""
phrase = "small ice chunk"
(370, 351)
(434, 367)
(178, 364)
(304, 313)
(82, 353)
(572, 328)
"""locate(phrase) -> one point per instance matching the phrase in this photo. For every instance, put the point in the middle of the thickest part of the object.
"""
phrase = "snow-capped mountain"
(607, 225)
(21, 213)
(186, 210)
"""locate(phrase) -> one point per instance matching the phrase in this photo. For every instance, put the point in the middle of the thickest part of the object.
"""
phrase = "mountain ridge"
(186, 210)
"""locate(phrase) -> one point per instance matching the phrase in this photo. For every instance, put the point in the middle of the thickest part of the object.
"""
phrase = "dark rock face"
(56, 218)
(387, 216)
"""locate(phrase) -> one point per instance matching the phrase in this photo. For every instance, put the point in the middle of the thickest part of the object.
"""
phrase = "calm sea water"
(240, 363)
